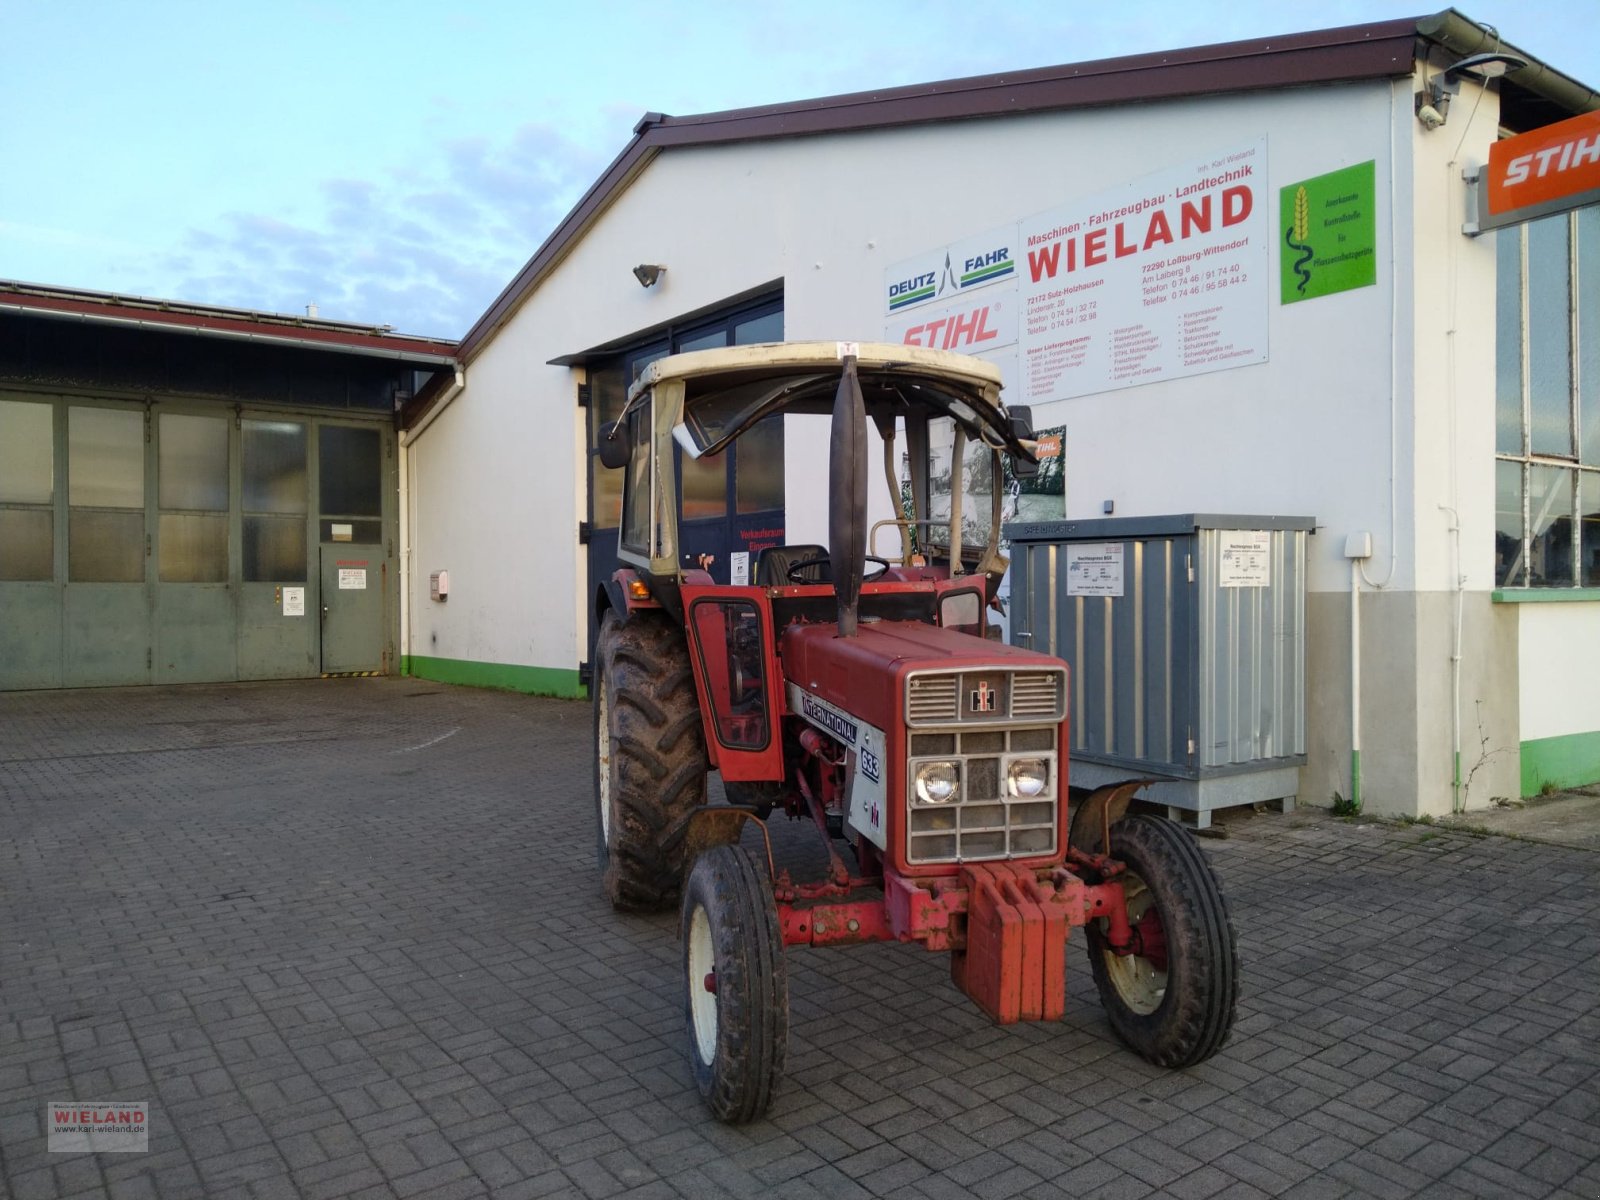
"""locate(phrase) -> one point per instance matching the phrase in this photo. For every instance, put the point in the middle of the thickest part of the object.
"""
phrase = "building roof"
(1531, 97)
(181, 317)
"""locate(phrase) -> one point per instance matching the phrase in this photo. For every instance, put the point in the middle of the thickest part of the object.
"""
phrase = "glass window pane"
(194, 547)
(1550, 502)
(759, 329)
(369, 532)
(1509, 569)
(27, 544)
(105, 458)
(193, 463)
(1549, 337)
(274, 549)
(272, 460)
(1508, 341)
(26, 458)
(759, 466)
(638, 363)
(105, 547)
(705, 486)
(704, 341)
(1589, 513)
(350, 462)
(607, 394)
(1589, 333)
(636, 514)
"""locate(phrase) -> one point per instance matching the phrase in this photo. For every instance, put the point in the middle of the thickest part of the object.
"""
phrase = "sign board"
(294, 602)
(1330, 234)
(944, 273)
(1094, 569)
(1548, 170)
(1246, 558)
(1158, 279)
(352, 579)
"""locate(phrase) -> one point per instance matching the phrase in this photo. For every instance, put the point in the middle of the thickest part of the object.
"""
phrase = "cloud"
(425, 248)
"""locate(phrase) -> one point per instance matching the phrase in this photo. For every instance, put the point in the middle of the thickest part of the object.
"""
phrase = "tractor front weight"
(1006, 926)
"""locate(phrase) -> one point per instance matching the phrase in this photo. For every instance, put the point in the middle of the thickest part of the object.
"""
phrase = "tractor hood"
(864, 675)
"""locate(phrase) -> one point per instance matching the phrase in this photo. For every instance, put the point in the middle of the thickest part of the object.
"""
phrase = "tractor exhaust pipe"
(847, 496)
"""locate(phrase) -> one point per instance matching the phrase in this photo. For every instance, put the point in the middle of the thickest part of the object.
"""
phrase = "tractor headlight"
(1027, 778)
(938, 782)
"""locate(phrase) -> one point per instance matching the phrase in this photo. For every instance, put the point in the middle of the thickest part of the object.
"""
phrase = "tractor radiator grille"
(986, 696)
(985, 823)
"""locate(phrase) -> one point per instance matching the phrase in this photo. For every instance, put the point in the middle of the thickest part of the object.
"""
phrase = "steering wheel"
(822, 560)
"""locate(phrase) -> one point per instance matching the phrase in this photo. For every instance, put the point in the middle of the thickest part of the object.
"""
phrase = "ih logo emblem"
(984, 697)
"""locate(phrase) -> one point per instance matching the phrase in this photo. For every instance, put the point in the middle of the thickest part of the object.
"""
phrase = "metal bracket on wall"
(583, 395)
(584, 531)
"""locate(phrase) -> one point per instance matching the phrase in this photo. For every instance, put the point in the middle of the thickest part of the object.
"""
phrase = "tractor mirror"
(616, 446)
(1021, 418)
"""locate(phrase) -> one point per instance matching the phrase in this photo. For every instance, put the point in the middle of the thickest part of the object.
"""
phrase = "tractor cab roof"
(726, 391)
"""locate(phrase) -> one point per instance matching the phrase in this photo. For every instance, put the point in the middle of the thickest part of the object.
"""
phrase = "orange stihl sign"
(1549, 170)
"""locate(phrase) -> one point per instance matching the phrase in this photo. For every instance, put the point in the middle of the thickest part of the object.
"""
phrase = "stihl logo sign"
(1549, 170)
(955, 332)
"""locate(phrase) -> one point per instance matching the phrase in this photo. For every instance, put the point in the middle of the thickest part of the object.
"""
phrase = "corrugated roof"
(178, 316)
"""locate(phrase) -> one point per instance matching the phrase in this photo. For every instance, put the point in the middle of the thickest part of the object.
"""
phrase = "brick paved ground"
(346, 938)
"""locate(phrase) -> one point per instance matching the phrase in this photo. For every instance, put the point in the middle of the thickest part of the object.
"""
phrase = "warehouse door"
(194, 600)
(355, 574)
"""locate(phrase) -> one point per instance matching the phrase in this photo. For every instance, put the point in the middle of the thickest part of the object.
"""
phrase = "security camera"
(1430, 117)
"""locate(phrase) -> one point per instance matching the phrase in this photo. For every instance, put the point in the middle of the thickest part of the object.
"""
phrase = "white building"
(1359, 359)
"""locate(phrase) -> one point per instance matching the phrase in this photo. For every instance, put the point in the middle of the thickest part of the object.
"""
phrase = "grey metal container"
(1186, 639)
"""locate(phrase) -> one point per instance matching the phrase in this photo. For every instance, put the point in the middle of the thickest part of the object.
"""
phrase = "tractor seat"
(772, 567)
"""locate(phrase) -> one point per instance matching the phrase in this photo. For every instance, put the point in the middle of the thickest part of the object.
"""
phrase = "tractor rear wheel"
(650, 757)
(736, 985)
(1172, 1000)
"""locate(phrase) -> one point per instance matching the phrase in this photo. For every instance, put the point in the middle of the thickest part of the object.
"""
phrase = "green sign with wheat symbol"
(1329, 235)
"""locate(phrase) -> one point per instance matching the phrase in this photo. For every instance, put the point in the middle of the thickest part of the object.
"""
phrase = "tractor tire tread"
(658, 757)
(1196, 1015)
(753, 990)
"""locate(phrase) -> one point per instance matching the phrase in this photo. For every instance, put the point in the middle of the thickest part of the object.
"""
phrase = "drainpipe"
(1457, 801)
(1357, 548)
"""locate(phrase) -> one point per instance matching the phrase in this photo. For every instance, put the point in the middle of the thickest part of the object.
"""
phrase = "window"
(272, 461)
(192, 469)
(1547, 392)
(105, 495)
(27, 491)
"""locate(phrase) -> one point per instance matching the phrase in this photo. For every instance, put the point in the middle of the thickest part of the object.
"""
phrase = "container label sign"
(1246, 558)
(1161, 278)
(352, 579)
(1094, 569)
(1329, 233)
(294, 602)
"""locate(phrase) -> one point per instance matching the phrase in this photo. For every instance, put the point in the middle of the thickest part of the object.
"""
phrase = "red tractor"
(861, 693)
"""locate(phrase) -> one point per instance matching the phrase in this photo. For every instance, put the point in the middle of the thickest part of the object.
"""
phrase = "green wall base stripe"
(1355, 780)
(1563, 762)
(536, 681)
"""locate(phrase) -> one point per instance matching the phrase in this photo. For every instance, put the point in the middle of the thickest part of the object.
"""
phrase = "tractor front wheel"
(737, 992)
(1172, 1000)
(650, 757)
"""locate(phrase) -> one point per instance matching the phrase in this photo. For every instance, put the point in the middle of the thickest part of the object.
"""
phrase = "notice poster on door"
(294, 602)
(1161, 278)
(352, 579)
(1094, 569)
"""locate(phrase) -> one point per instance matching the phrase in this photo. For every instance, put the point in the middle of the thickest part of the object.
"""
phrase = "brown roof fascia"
(1379, 50)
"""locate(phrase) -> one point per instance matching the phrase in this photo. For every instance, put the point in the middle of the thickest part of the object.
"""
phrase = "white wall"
(1558, 669)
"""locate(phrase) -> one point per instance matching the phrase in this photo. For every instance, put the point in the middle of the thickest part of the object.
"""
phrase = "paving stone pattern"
(346, 938)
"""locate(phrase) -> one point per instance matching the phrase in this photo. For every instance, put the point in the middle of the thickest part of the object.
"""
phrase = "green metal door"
(354, 581)
(194, 598)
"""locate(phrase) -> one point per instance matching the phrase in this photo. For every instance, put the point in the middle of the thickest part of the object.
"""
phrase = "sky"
(395, 163)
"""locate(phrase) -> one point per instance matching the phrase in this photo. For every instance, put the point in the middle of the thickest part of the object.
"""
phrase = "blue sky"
(397, 162)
